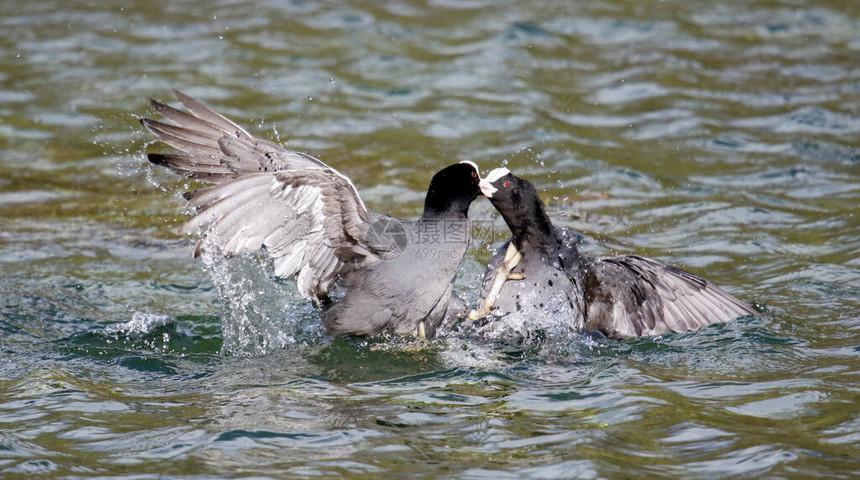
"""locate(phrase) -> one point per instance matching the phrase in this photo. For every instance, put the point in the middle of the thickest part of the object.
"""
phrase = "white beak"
(487, 188)
(486, 184)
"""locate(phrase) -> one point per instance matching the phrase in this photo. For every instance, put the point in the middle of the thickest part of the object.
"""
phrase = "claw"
(512, 259)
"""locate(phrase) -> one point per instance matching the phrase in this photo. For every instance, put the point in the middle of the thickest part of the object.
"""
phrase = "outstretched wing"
(306, 215)
(214, 148)
(635, 296)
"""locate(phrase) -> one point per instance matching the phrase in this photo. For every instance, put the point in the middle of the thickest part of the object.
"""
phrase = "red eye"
(474, 174)
(507, 184)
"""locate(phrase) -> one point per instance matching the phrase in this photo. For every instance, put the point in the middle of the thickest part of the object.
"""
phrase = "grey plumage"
(547, 286)
(310, 219)
(632, 296)
(416, 284)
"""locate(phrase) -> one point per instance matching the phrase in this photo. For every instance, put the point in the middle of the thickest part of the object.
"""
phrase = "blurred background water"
(723, 137)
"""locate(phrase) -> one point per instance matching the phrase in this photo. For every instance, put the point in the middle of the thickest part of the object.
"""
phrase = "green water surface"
(722, 137)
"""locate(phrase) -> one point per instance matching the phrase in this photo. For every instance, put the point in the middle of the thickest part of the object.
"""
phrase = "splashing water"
(260, 315)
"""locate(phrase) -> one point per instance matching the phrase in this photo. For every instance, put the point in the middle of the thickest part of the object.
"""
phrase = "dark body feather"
(624, 296)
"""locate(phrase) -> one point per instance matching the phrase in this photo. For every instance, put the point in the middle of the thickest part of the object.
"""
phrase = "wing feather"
(307, 216)
(286, 215)
(188, 166)
(650, 298)
(205, 113)
(189, 141)
(214, 148)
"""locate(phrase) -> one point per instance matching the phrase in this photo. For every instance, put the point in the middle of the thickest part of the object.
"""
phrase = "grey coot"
(391, 275)
(621, 297)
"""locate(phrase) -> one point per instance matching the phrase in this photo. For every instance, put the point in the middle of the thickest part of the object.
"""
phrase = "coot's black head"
(452, 190)
(518, 202)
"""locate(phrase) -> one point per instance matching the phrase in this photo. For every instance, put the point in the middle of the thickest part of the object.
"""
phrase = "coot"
(390, 275)
(621, 297)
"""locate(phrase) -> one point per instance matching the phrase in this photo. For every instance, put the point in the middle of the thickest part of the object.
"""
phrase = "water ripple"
(720, 137)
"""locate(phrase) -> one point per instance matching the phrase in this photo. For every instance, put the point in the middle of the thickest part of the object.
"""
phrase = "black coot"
(393, 275)
(622, 297)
